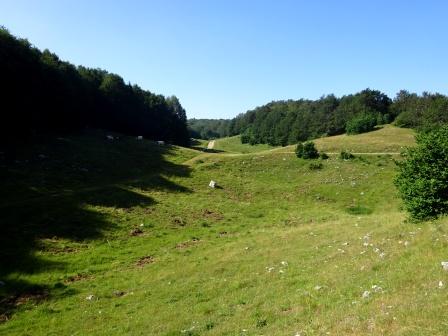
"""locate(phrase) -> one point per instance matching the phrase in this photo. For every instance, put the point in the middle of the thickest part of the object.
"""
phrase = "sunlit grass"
(279, 249)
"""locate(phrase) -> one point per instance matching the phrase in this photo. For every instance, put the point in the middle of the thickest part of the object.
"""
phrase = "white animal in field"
(212, 184)
(109, 137)
(139, 137)
(161, 143)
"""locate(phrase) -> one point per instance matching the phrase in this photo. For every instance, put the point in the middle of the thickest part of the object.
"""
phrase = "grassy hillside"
(388, 139)
(278, 249)
(234, 145)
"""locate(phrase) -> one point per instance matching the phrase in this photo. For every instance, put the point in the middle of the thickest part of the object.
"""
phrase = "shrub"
(307, 150)
(422, 179)
(361, 124)
(324, 156)
(346, 155)
(315, 166)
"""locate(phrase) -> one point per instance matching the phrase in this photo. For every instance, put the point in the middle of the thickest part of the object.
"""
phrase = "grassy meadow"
(121, 237)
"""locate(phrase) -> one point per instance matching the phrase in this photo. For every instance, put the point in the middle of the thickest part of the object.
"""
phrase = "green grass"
(233, 145)
(279, 249)
(388, 139)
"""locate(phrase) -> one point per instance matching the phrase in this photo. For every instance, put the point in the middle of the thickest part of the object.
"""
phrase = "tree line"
(291, 121)
(208, 128)
(42, 94)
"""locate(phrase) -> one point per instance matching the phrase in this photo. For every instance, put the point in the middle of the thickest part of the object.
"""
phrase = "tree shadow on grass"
(52, 199)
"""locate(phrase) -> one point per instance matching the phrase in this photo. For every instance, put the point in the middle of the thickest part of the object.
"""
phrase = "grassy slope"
(280, 249)
(234, 145)
(386, 139)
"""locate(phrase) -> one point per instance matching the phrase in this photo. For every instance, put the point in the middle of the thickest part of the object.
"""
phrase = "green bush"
(346, 155)
(324, 156)
(361, 123)
(422, 179)
(315, 166)
(307, 150)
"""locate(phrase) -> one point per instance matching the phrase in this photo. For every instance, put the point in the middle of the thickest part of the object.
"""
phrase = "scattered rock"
(377, 288)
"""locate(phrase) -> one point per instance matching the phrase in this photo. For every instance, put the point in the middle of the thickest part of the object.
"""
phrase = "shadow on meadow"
(49, 193)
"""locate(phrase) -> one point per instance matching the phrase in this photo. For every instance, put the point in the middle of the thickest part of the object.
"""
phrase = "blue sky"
(223, 57)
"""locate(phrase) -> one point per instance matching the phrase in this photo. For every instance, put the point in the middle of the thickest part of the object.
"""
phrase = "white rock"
(90, 297)
(444, 265)
(366, 294)
(284, 263)
(317, 287)
(377, 288)
(440, 284)
(212, 184)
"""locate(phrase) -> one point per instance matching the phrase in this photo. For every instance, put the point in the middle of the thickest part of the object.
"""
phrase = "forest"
(42, 95)
(290, 121)
(208, 128)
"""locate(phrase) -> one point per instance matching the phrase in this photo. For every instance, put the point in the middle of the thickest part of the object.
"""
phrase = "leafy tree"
(422, 179)
(44, 95)
(361, 123)
(307, 150)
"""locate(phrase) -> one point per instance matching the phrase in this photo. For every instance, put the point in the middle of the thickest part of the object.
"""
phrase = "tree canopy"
(41, 94)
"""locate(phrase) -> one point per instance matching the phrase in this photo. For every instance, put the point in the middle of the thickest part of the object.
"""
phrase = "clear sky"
(223, 57)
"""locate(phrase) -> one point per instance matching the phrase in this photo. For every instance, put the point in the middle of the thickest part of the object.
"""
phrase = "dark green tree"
(422, 179)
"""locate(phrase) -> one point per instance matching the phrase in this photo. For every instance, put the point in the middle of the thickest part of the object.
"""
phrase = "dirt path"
(211, 144)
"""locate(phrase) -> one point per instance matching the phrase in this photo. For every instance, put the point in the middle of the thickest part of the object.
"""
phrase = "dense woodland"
(42, 94)
(290, 121)
(208, 128)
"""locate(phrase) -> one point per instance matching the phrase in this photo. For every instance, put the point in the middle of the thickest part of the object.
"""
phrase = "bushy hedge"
(307, 150)
(422, 179)
(361, 124)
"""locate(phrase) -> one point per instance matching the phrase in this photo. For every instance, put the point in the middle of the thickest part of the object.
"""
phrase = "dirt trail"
(211, 144)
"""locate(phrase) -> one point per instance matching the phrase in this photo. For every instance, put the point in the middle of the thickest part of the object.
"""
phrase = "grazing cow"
(109, 137)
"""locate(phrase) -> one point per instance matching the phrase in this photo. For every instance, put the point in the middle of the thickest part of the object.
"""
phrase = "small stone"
(440, 284)
(365, 295)
(444, 265)
(377, 288)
